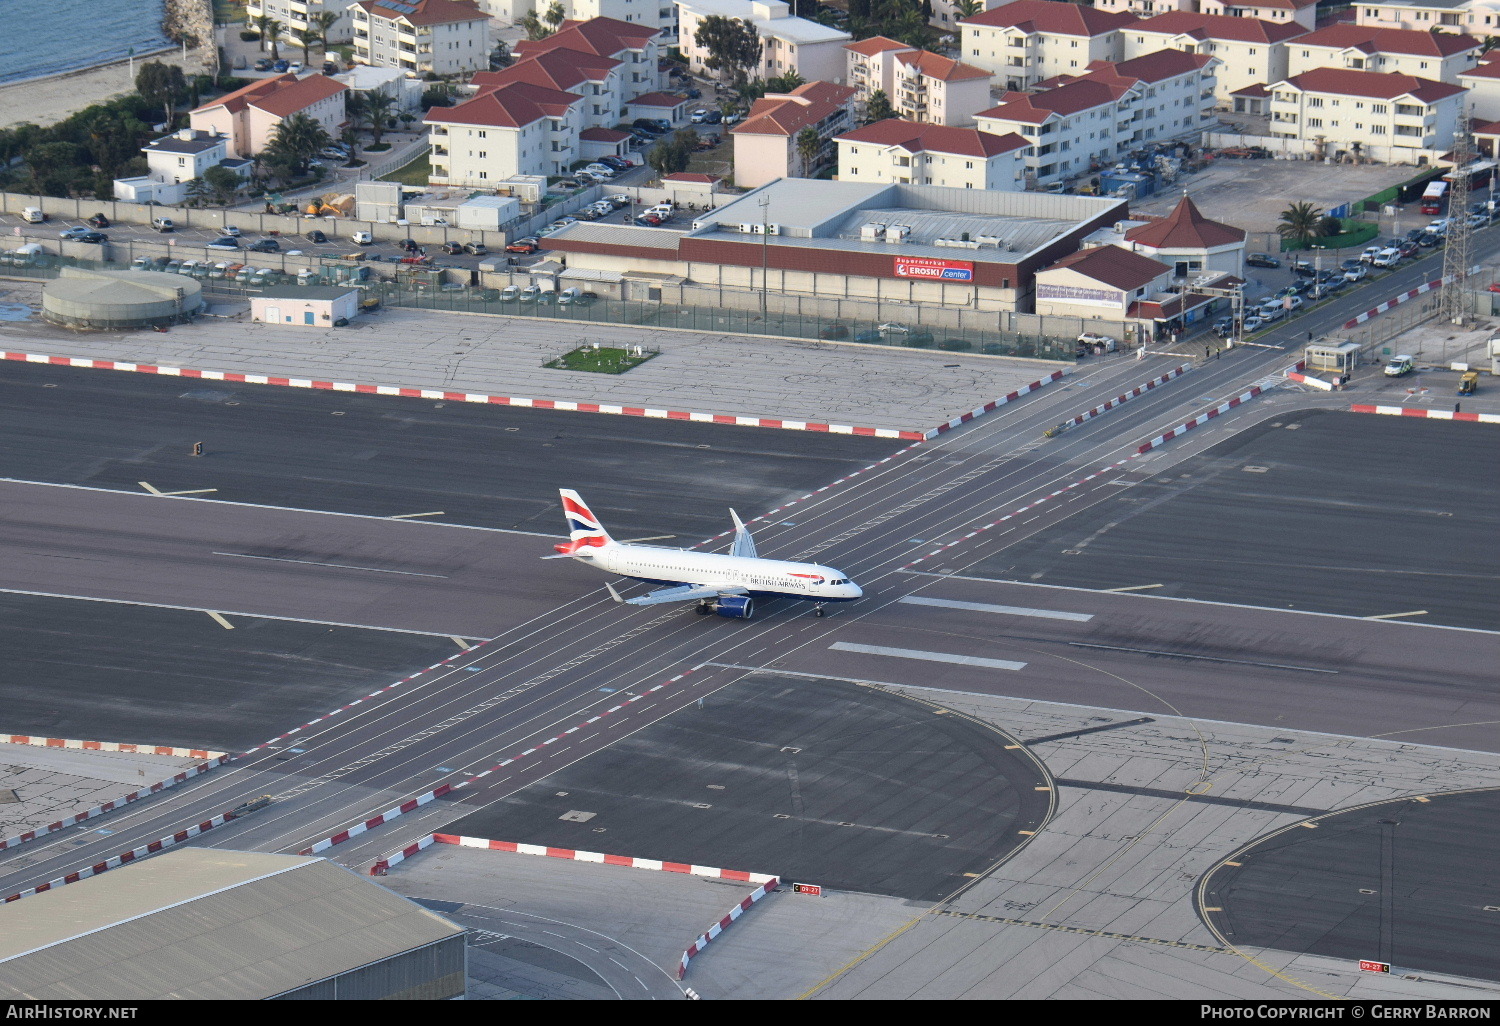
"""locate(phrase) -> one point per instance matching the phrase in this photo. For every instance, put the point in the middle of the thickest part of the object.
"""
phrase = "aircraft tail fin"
(584, 529)
(743, 544)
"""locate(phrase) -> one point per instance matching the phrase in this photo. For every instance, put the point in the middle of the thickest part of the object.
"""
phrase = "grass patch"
(603, 360)
(414, 173)
(228, 12)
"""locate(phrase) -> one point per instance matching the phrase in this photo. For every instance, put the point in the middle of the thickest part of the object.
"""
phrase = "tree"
(297, 140)
(1329, 226)
(1487, 44)
(879, 107)
(967, 8)
(262, 25)
(380, 113)
(272, 34)
(1299, 223)
(323, 20)
(153, 83)
(672, 155)
(306, 38)
(733, 46)
(533, 26)
(500, 56)
(350, 138)
(197, 192)
(554, 15)
(784, 83)
(809, 148)
(223, 182)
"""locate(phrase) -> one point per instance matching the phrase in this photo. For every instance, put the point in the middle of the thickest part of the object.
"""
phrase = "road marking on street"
(1388, 616)
(404, 516)
(191, 491)
(1135, 587)
(931, 657)
(986, 607)
(222, 622)
(460, 642)
(340, 566)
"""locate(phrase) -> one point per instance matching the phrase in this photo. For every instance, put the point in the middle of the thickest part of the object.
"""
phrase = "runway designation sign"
(816, 890)
(1367, 966)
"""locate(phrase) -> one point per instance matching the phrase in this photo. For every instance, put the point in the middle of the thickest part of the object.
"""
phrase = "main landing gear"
(818, 610)
(704, 608)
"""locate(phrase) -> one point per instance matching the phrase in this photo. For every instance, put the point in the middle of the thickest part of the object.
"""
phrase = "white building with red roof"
(1302, 12)
(443, 37)
(517, 128)
(1085, 123)
(920, 85)
(766, 143)
(1191, 244)
(909, 153)
(635, 46)
(250, 115)
(1437, 55)
(1479, 19)
(1483, 84)
(1251, 50)
(599, 80)
(1389, 117)
(1026, 41)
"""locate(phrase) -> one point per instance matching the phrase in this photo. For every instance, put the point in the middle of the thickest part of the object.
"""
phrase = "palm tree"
(350, 138)
(324, 20)
(554, 15)
(357, 108)
(967, 8)
(306, 38)
(262, 24)
(380, 111)
(298, 139)
(272, 35)
(879, 107)
(1300, 223)
(809, 147)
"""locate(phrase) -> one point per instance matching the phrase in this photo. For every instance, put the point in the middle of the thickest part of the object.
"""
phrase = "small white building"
(1251, 51)
(812, 50)
(313, 306)
(908, 153)
(1389, 117)
(399, 85)
(1026, 41)
(1442, 56)
(1122, 290)
(444, 37)
(176, 160)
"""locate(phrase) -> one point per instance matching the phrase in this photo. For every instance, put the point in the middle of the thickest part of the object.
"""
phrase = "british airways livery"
(723, 584)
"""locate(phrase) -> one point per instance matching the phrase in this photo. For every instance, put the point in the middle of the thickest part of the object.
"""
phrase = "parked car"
(98, 221)
(72, 233)
(1224, 327)
(713, 118)
(509, 293)
(163, 224)
(1252, 323)
(264, 64)
(919, 339)
(1105, 342)
(1387, 258)
(453, 248)
(1427, 240)
(224, 243)
(280, 67)
(97, 238)
(872, 335)
(264, 246)
(529, 293)
(1272, 311)
(618, 163)
(1370, 253)
(362, 238)
(527, 245)
(893, 328)
(295, 67)
(1303, 267)
(646, 126)
(476, 249)
(1400, 365)
(1262, 260)
(647, 220)
(316, 235)
(697, 116)
(1293, 304)
(603, 171)
(730, 119)
(1409, 249)
(1357, 272)
(834, 331)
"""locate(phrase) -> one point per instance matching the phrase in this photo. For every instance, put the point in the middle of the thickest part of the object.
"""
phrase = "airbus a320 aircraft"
(727, 585)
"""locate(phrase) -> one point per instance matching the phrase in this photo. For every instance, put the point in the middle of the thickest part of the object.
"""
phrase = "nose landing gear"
(818, 610)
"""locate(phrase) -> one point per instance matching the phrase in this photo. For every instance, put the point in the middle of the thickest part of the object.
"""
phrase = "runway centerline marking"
(931, 657)
(987, 607)
(340, 566)
(1209, 659)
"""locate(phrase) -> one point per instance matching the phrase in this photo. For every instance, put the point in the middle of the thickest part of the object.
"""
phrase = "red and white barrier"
(987, 407)
(375, 821)
(107, 746)
(1305, 379)
(1391, 304)
(1409, 411)
(121, 859)
(1138, 390)
(719, 927)
(658, 865)
(1198, 421)
(401, 855)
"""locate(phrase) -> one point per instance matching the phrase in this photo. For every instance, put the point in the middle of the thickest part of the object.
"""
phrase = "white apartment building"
(445, 37)
(597, 80)
(870, 64)
(1026, 41)
(1302, 12)
(1390, 117)
(513, 129)
(297, 15)
(921, 86)
(1086, 123)
(1479, 19)
(1483, 84)
(636, 47)
(174, 161)
(1437, 55)
(767, 143)
(814, 51)
(1250, 51)
(908, 153)
(1146, 8)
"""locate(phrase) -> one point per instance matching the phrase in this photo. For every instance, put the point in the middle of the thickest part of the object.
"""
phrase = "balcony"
(439, 151)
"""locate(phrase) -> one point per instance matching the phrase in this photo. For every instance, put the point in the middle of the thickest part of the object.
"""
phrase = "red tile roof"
(1220, 26)
(1275, 5)
(1152, 67)
(788, 113)
(919, 138)
(942, 68)
(1051, 16)
(1185, 228)
(1369, 39)
(1489, 70)
(555, 69)
(512, 105)
(877, 44)
(282, 96)
(1066, 99)
(1254, 91)
(1372, 84)
(1116, 267)
(603, 36)
(428, 12)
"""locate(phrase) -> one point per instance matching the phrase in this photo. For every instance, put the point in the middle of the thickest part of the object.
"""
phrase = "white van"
(567, 296)
(662, 210)
(1387, 258)
(33, 215)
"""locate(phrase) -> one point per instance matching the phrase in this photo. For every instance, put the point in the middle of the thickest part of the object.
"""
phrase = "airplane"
(724, 584)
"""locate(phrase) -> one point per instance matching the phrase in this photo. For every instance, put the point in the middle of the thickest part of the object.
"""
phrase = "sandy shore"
(46, 101)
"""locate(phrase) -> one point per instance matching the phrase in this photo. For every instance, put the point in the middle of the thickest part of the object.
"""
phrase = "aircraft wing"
(743, 544)
(680, 593)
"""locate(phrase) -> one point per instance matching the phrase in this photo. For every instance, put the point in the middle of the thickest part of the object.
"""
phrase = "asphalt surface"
(809, 780)
(1319, 510)
(489, 466)
(105, 672)
(1405, 882)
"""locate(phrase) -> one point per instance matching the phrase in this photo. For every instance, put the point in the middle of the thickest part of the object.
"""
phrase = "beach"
(46, 101)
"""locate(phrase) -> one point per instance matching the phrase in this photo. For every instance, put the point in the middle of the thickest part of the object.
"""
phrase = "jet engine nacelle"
(736, 607)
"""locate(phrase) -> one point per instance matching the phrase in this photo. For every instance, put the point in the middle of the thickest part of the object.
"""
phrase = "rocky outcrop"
(192, 20)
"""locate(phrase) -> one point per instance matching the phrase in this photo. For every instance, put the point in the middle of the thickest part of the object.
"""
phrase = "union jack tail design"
(584, 529)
